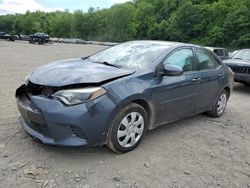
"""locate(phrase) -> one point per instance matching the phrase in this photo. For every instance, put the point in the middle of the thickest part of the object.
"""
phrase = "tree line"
(223, 23)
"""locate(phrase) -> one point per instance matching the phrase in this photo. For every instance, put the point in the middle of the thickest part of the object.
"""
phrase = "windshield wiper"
(237, 58)
(109, 64)
(83, 58)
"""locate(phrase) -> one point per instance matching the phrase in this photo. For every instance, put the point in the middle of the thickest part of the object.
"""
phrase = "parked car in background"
(221, 52)
(110, 43)
(233, 53)
(39, 38)
(2, 35)
(113, 97)
(10, 37)
(24, 37)
(240, 65)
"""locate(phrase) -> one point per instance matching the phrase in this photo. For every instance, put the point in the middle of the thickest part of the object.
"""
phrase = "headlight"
(78, 96)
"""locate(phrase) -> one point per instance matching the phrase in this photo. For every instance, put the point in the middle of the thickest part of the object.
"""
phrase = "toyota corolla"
(114, 96)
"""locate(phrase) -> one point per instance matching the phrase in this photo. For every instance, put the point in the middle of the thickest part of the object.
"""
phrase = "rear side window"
(206, 61)
(219, 52)
(182, 58)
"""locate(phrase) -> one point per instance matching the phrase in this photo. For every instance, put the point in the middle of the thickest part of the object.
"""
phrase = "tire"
(220, 106)
(131, 122)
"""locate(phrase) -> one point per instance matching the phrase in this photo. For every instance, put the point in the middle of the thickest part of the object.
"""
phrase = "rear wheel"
(128, 128)
(220, 106)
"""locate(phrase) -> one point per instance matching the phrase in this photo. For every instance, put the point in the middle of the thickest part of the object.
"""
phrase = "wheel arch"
(146, 103)
(228, 90)
(149, 109)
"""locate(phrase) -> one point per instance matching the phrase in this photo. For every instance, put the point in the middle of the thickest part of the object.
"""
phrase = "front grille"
(77, 132)
(42, 129)
(241, 70)
(29, 111)
(34, 89)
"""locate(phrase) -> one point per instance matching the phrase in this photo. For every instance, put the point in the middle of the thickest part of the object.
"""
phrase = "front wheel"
(128, 128)
(220, 106)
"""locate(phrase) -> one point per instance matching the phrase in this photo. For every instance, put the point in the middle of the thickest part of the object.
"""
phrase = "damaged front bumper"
(53, 123)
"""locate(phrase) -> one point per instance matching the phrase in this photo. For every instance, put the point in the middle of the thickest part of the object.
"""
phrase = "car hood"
(237, 62)
(75, 71)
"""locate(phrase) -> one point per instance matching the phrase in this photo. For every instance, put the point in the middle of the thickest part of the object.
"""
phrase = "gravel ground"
(196, 152)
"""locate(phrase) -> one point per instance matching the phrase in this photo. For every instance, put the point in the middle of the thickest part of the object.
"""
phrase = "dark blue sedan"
(113, 97)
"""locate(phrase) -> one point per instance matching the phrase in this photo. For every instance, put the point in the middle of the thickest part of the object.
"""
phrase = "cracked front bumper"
(53, 123)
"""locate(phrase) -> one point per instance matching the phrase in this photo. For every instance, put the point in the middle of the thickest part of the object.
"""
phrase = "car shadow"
(74, 150)
(241, 88)
(102, 152)
(179, 124)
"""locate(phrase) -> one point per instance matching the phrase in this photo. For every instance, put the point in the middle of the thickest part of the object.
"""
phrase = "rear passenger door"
(211, 79)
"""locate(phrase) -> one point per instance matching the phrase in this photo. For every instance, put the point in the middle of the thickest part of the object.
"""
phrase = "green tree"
(121, 22)
(206, 22)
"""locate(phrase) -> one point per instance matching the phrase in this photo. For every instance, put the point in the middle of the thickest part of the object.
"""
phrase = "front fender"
(138, 98)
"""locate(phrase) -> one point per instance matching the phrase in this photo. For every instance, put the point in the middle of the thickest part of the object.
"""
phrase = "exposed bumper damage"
(53, 123)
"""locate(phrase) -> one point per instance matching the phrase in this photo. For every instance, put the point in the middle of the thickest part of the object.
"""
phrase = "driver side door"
(177, 95)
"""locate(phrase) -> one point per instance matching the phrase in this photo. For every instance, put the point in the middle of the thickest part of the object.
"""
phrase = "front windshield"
(136, 55)
(243, 54)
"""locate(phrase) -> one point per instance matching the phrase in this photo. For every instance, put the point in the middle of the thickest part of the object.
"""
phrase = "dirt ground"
(196, 152)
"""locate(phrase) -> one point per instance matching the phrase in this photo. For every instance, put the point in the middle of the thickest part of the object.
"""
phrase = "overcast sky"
(21, 6)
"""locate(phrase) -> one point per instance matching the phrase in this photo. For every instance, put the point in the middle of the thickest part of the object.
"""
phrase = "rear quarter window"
(219, 52)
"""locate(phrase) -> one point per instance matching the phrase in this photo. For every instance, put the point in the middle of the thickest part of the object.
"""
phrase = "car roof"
(40, 34)
(214, 48)
(166, 43)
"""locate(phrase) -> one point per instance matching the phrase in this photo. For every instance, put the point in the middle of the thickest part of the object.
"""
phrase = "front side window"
(205, 61)
(182, 58)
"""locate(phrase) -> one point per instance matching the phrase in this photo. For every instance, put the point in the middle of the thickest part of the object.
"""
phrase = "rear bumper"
(52, 123)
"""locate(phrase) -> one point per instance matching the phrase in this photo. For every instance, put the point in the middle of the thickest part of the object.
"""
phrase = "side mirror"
(171, 70)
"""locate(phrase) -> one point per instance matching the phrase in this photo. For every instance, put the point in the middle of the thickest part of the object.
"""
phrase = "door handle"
(221, 75)
(196, 80)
